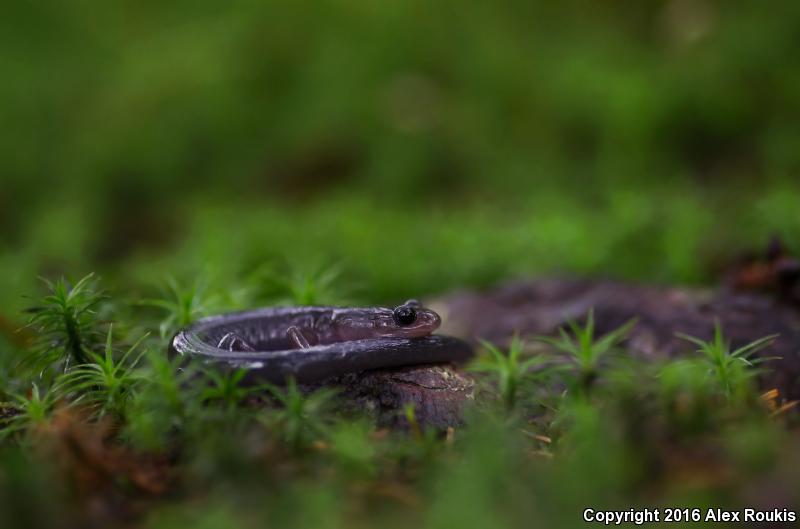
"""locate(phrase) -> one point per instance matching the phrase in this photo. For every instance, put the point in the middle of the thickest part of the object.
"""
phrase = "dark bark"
(540, 307)
(438, 393)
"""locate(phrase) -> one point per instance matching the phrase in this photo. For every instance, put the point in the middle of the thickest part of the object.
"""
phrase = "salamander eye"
(404, 315)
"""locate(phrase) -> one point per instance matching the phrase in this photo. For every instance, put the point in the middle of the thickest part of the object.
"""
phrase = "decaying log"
(437, 392)
(540, 307)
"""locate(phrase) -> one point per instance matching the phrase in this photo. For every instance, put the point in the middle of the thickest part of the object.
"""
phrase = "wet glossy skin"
(334, 325)
(314, 343)
(361, 324)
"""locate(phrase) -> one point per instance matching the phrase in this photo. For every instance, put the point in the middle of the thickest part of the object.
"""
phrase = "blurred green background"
(421, 146)
(390, 150)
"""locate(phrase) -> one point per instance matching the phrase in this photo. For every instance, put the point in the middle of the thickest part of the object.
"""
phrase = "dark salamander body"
(314, 343)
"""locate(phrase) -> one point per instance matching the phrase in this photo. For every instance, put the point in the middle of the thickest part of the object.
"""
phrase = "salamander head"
(409, 320)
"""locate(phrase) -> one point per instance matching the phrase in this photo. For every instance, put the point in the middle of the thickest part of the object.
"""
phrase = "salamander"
(313, 343)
